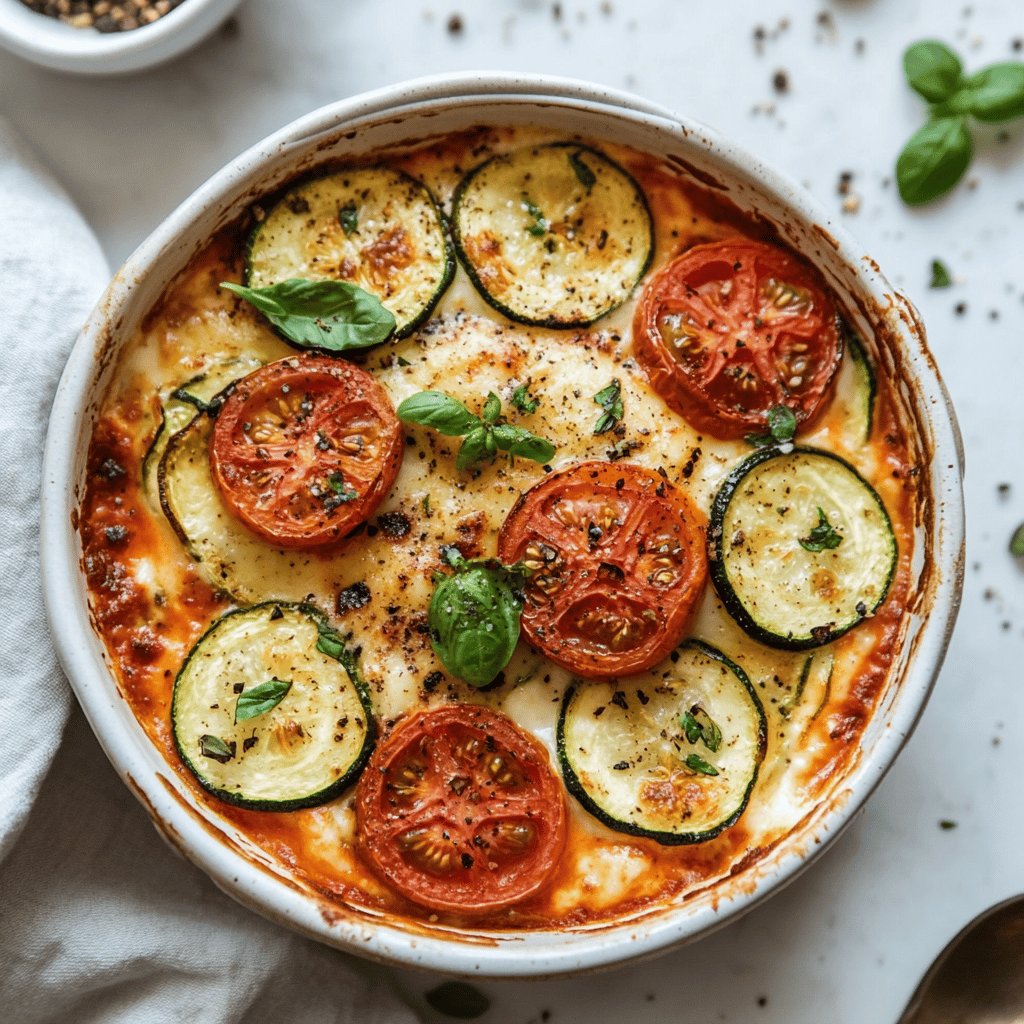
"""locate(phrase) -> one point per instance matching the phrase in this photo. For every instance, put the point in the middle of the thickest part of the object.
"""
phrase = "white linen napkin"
(99, 920)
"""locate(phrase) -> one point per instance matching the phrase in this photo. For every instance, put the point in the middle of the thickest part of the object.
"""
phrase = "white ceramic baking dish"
(419, 109)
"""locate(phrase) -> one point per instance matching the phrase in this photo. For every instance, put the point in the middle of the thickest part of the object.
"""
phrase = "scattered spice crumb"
(780, 82)
(946, 824)
(455, 25)
(843, 185)
(1017, 45)
(859, 46)
(1003, 490)
(762, 1000)
(556, 12)
(851, 204)
(960, 308)
(993, 314)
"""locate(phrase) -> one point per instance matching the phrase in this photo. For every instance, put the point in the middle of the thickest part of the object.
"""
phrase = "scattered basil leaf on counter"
(933, 70)
(523, 400)
(348, 218)
(996, 93)
(332, 315)
(214, 747)
(540, 223)
(781, 423)
(1017, 542)
(261, 699)
(459, 1000)
(484, 435)
(474, 616)
(697, 764)
(823, 536)
(610, 400)
(941, 277)
(937, 155)
(933, 160)
(588, 179)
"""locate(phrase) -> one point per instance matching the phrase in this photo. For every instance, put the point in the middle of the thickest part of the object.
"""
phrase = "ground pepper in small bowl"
(104, 15)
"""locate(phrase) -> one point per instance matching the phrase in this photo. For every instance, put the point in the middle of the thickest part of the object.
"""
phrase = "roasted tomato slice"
(305, 449)
(728, 330)
(459, 810)
(618, 564)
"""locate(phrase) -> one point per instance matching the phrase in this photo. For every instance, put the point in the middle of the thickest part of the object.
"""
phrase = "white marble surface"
(847, 941)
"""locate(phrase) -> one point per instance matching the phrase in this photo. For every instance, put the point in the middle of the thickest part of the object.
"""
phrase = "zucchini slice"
(201, 392)
(174, 415)
(856, 390)
(555, 235)
(675, 761)
(373, 226)
(232, 558)
(800, 547)
(300, 751)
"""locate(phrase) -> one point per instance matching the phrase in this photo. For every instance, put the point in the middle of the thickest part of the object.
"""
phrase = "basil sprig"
(699, 726)
(484, 435)
(609, 398)
(781, 428)
(823, 536)
(261, 699)
(474, 616)
(937, 154)
(332, 315)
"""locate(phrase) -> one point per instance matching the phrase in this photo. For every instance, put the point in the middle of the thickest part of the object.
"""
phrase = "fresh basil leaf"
(1017, 542)
(996, 93)
(699, 726)
(492, 408)
(588, 179)
(934, 160)
(522, 444)
(941, 277)
(261, 699)
(609, 398)
(523, 400)
(540, 223)
(475, 448)
(348, 217)
(823, 536)
(216, 749)
(438, 411)
(697, 764)
(474, 621)
(329, 643)
(690, 726)
(781, 427)
(459, 1000)
(933, 70)
(340, 491)
(332, 315)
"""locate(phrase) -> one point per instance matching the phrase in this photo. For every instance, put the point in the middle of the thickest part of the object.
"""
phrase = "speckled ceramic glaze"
(408, 111)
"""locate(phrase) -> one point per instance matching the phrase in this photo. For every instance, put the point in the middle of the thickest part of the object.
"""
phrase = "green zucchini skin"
(411, 323)
(321, 795)
(574, 784)
(867, 386)
(548, 320)
(718, 557)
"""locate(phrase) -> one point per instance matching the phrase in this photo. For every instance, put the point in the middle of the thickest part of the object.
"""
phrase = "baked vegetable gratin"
(501, 531)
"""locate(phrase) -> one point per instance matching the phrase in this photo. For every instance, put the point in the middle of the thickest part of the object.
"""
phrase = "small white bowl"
(54, 44)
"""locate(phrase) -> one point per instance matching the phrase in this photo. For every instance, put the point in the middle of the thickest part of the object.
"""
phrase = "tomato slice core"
(617, 564)
(730, 329)
(305, 449)
(459, 810)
